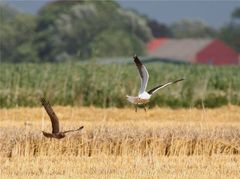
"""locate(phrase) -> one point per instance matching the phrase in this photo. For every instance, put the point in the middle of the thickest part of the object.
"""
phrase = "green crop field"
(106, 85)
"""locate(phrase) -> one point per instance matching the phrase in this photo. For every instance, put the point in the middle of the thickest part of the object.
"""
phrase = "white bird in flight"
(143, 95)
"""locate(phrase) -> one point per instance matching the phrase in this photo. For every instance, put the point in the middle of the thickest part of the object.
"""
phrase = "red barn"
(206, 51)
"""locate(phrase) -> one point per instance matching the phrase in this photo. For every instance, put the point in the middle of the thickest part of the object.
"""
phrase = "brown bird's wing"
(154, 90)
(80, 128)
(142, 72)
(52, 115)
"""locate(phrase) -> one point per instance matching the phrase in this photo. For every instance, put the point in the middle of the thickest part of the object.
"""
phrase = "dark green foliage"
(236, 13)
(107, 85)
(231, 35)
(7, 13)
(212, 100)
(187, 28)
(158, 29)
(89, 29)
(65, 30)
(16, 36)
(102, 46)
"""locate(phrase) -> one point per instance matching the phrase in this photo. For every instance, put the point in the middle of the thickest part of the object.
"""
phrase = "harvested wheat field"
(119, 143)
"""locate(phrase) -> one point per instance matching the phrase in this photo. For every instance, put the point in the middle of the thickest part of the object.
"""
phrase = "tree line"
(81, 30)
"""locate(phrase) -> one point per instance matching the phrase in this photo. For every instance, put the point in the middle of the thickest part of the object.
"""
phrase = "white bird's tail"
(132, 99)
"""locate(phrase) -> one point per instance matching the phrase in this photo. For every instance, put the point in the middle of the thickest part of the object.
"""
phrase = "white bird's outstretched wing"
(143, 74)
(154, 90)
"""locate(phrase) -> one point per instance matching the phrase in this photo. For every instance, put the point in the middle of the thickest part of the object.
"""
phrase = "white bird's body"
(137, 100)
(142, 98)
(143, 95)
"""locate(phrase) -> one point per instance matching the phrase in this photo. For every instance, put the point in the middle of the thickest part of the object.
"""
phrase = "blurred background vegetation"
(79, 32)
(106, 85)
(83, 30)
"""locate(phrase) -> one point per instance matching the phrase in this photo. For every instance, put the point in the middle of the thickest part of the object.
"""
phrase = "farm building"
(206, 51)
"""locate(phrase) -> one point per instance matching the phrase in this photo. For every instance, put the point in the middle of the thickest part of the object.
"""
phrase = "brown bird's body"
(53, 135)
(56, 133)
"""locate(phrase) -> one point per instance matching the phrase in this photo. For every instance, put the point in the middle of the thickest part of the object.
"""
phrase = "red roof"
(217, 52)
(200, 50)
(153, 44)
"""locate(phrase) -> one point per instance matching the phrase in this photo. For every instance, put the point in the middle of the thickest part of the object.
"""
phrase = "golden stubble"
(119, 143)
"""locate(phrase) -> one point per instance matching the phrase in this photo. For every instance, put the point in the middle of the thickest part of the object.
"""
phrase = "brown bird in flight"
(55, 123)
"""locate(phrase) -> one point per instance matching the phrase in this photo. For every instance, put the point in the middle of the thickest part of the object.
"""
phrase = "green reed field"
(106, 85)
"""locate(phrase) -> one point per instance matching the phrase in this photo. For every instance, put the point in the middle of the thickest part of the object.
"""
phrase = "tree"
(158, 29)
(7, 12)
(236, 13)
(187, 28)
(16, 35)
(101, 46)
(78, 29)
(230, 33)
